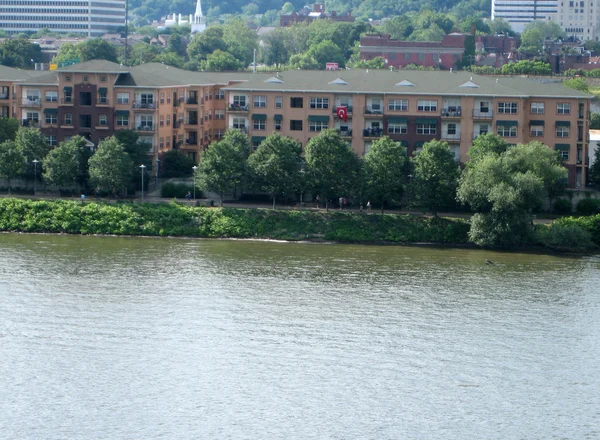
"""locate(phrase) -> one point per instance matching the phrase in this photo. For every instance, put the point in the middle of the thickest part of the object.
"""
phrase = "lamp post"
(157, 167)
(195, 168)
(142, 168)
(35, 162)
(301, 187)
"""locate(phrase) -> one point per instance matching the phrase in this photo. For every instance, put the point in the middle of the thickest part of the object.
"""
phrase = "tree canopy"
(110, 167)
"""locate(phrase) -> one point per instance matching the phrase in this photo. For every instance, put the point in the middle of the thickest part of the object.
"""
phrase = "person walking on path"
(341, 202)
(368, 206)
(318, 199)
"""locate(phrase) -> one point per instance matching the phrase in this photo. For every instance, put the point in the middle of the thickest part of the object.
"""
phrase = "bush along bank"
(173, 219)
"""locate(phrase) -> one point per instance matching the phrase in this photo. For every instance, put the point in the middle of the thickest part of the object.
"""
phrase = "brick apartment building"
(443, 54)
(176, 109)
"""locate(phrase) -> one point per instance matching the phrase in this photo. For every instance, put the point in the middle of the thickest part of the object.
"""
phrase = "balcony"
(373, 111)
(345, 133)
(145, 128)
(242, 129)
(5, 96)
(177, 124)
(451, 113)
(103, 100)
(191, 141)
(348, 109)
(372, 132)
(237, 108)
(191, 122)
(480, 114)
(445, 136)
(26, 102)
(144, 105)
(68, 100)
(31, 123)
(192, 101)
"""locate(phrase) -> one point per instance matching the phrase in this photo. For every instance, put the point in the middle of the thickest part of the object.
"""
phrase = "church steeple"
(199, 21)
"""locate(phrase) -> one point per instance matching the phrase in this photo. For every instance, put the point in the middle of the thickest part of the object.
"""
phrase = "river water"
(141, 338)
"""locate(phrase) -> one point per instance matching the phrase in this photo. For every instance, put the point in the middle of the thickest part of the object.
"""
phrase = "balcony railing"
(348, 108)
(103, 100)
(372, 132)
(192, 101)
(483, 114)
(344, 133)
(144, 105)
(67, 100)
(451, 112)
(369, 110)
(31, 123)
(145, 127)
(5, 96)
(477, 134)
(450, 136)
(31, 102)
(191, 141)
(238, 108)
(191, 122)
(242, 129)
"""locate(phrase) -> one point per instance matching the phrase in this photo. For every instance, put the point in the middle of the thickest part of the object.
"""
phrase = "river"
(142, 338)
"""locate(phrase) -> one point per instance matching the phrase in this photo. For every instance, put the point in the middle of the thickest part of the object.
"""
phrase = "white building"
(579, 19)
(86, 17)
(197, 21)
(521, 12)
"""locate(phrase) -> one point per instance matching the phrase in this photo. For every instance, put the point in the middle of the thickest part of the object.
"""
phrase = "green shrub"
(588, 206)
(178, 190)
(563, 206)
(565, 237)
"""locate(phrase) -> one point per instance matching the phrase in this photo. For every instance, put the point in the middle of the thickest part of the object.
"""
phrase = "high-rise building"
(520, 12)
(579, 19)
(91, 18)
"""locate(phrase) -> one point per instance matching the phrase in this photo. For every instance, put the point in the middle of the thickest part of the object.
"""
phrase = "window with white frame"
(239, 100)
(397, 128)
(375, 105)
(507, 130)
(536, 130)
(122, 120)
(563, 154)
(507, 108)
(562, 131)
(537, 108)
(146, 122)
(219, 114)
(168, 120)
(319, 102)
(278, 124)
(220, 94)
(278, 101)
(563, 108)
(122, 98)
(484, 129)
(33, 95)
(260, 101)
(398, 105)
(146, 98)
(33, 117)
(51, 96)
(51, 118)
(68, 119)
(259, 125)
(239, 123)
(451, 129)
(161, 143)
(426, 105)
(51, 141)
(317, 125)
(426, 128)
(103, 120)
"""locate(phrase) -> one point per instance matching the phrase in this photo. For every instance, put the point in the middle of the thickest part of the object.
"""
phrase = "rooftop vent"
(339, 81)
(273, 80)
(470, 84)
(405, 83)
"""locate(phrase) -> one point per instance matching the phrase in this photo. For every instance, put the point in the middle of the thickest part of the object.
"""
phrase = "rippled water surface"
(138, 338)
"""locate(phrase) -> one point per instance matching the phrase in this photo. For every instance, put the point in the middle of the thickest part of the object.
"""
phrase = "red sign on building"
(331, 66)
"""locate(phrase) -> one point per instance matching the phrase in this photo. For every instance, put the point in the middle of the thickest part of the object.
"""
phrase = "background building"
(520, 12)
(79, 16)
(579, 19)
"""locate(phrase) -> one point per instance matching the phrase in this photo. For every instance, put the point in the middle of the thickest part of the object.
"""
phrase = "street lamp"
(157, 167)
(142, 168)
(35, 162)
(301, 187)
(195, 168)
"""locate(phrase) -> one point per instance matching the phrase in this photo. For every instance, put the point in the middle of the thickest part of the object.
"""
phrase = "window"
(239, 123)
(375, 106)
(51, 96)
(451, 129)
(51, 118)
(562, 108)
(68, 119)
(398, 105)
(68, 78)
(161, 121)
(122, 98)
(278, 124)
(536, 130)
(259, 125)
(239, 101)
(562, 132)
(507, 131)
(564, 154)
(220, 94)
(507, 107)
(296, 103)
(319, 102)
(102, 99)
(85, 121)
(537, 108)
(484, 129)
(146, 98)
(484, 107)
(317, 125)
(103, 79)
(424, 105)
(168, 98)
(162, 98)
(296, 125)
(103, 120)
(33, 117)
(85, 79)
(219, 114)
(33, 95)
(51, 141)
(426, 128)
(168, 120)
(145, 122)
(260, 101)
(122, 120)
(407, 56)
(397, 128)
(85, 98)
(278, 101)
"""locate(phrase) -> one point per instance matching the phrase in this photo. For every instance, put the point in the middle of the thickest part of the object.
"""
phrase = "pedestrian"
(341, 202)
(368, 206)
(82, 198)
(188, 196)
(318, 199)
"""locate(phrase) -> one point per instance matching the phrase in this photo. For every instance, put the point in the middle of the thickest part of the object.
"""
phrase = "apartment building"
(579, 19)
(175, 109)
(90, 18)
(518, 13)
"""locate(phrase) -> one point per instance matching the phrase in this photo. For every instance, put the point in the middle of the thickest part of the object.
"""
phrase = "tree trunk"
(274, 201)
(382, 208)
(221, 199)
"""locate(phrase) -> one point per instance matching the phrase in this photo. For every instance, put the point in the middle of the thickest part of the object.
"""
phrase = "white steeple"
(199, 21)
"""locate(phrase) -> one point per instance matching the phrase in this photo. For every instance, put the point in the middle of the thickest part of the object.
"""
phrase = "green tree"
(303, 61)
(241, 40)
(435, 177)
(170, 59)
(142, 53)
(399, 27)
(8, 129)
(92, 49)
(19, 52)
(504, 189)
(275, 165)
(577, 84)
(527, 67)
(485, 145)
(332, 165)
(384, 171)
(223, 167)
(287, 8)
(500, 26)
(205, 43)
(62, 165)
(110, 166)
(221, 61)
(594, 121)
(594, 172)
(33, 144)
(273, 51)
(474, 22)
(174, 163)
(12, 161)
(327, 52)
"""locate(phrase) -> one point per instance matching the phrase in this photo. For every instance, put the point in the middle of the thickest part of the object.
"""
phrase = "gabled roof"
(12, 74)
(95, 66)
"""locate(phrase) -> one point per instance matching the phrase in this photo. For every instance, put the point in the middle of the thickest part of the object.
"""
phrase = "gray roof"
(12, 74)
(423, 83)
(95, 66)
